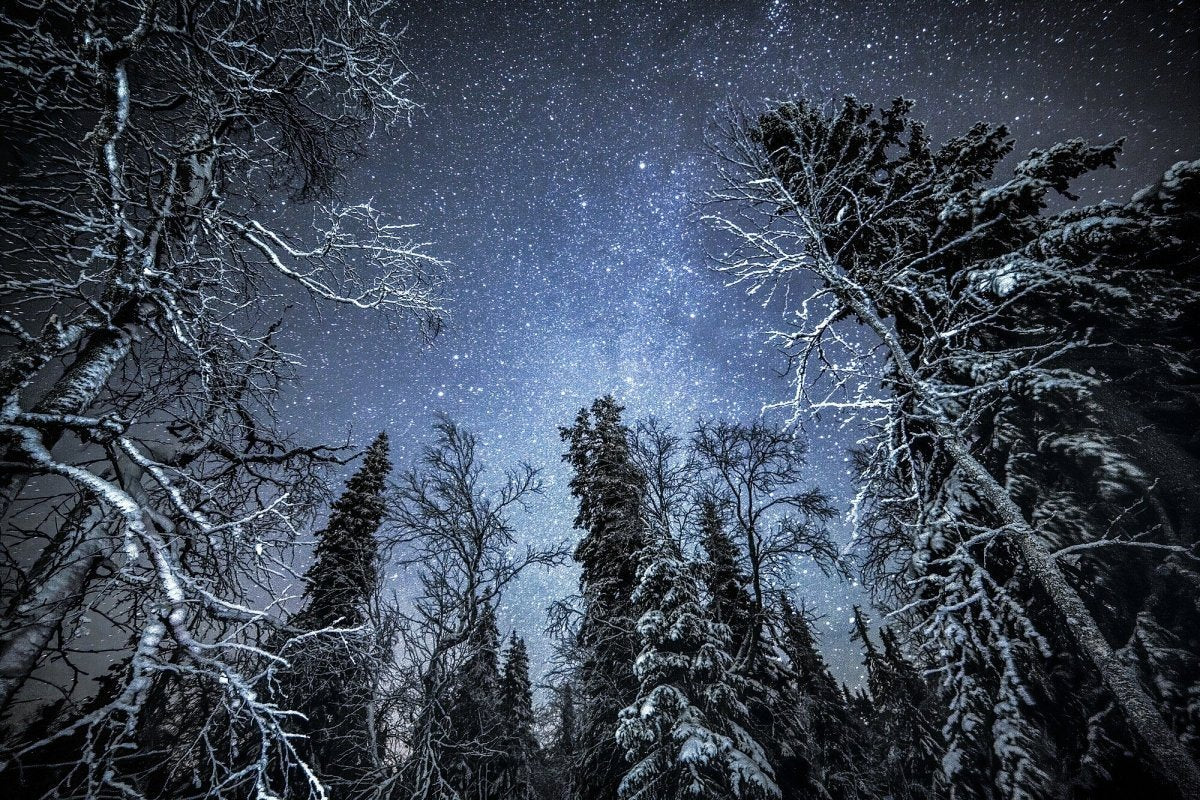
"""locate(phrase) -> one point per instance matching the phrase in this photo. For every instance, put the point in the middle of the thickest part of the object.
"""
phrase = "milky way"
(557, 160)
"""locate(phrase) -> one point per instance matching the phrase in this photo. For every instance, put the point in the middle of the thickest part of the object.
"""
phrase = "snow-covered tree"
(519, 746)
(155, 228)
(902, 719)
(336, 659)
(473, 740)
(610, 491)
(686, 733)
(828, 740)
(947, 277)
(729, 601)
(344, 575)
(564, 750)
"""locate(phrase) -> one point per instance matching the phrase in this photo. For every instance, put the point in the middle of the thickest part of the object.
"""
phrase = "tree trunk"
(79, 386)
(31, 628)
(46, 603)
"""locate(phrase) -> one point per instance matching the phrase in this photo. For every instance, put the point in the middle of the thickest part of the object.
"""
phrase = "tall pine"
(519, 747)
(686, 733)
(335, 665)
(724, 579)
(474, 727)
(903, 719)
(344, 576)
(830, 741)
(608, 488)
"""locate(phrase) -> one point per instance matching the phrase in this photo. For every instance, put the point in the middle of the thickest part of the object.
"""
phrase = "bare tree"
(756, 473)
(152, 219)
(458, 537)
(857, 220)
(669, 471)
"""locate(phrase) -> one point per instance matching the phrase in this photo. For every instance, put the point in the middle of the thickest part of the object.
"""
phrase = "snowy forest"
(199, 602)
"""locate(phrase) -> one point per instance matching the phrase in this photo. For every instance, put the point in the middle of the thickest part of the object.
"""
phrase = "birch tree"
(909, 283)
(174, 190)
(457, 534)
(757, 472)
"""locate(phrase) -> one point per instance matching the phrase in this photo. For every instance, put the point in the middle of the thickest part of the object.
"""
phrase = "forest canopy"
(200, 603)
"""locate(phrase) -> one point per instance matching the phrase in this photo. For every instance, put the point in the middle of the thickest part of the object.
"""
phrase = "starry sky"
(556, 161)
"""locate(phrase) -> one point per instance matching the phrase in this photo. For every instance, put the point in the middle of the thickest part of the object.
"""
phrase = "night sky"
(556, 162)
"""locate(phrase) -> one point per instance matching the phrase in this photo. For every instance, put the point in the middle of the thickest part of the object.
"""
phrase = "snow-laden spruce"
(686, 733)
(962, 331)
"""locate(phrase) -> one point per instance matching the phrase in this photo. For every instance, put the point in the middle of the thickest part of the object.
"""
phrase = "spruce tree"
(902, 719)
(561, 755)
(831, 738)
(608, 488)
(474, 726)
(686, 732)
(519, 747)
(344, 574)
(724, 578)
(334, 669)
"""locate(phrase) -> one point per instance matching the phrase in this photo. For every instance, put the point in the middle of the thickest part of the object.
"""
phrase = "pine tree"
(567, 733)
(773, 718)
(474, 726)
(902, 719)
(1008, 439)
(345, 572)
(830, 740)
(729, 602)
(609, 490)
(519, 746)
(685, 734)
(334, 669)
(560, 756)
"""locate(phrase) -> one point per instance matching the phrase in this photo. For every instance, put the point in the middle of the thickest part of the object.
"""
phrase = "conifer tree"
(1012, 503)
(729, 602)
(560, 756)
(345, 572)
(609, 490)
(565, 739)
(902, 719)
(686, 733)
(518, 745)
(336, 662)
(474, 729)
(831, 742)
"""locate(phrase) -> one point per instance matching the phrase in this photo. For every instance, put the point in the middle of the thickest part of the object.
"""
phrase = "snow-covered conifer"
(520, 749)
(951, 277)
(609, 489)
(685, 735)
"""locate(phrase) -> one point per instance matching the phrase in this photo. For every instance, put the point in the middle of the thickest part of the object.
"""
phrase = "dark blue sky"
(556, 162)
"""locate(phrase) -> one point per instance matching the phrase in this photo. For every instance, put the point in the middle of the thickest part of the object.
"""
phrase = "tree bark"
(46, 603)
(77, 389)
